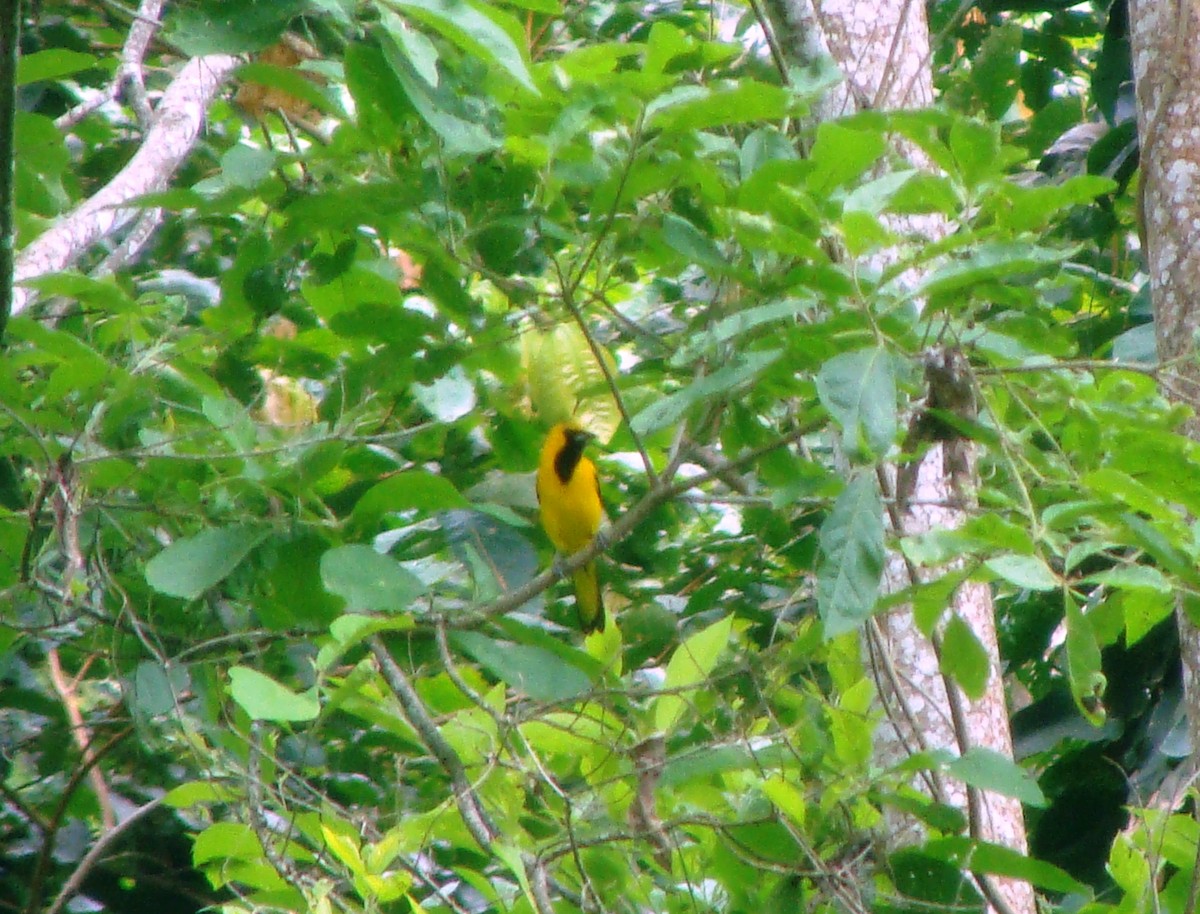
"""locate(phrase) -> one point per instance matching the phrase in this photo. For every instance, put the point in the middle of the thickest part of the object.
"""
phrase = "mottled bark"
(178, 120)
(926, 710)
(1166, 67)
(882, 47)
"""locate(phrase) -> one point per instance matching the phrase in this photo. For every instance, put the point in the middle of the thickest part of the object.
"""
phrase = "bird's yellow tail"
(587, 599)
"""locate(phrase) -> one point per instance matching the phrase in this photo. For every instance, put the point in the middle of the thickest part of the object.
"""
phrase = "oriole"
(569, 495)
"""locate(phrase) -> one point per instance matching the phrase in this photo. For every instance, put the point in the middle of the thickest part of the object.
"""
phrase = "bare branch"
(92, 857)
(129, 77)
(177, 124)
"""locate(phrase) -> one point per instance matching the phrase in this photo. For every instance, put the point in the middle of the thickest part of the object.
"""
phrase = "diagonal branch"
(178, 120)
(470, 806)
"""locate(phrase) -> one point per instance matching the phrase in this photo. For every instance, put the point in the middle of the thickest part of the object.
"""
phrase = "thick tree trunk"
(1166, 66)
(882, 47)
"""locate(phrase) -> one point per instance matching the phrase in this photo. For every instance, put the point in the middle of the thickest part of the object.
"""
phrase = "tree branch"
(177, 124)
(470, 807)
(92, 857)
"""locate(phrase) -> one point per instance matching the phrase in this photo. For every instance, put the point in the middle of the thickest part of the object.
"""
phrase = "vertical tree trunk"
(882, 48)
(1166, 66)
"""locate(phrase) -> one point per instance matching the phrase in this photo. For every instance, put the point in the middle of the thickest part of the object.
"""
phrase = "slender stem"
(10, 36)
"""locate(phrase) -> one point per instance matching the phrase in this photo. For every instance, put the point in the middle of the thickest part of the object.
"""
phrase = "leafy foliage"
(292, 443)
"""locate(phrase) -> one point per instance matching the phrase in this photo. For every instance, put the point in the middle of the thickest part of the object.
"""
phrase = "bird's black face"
(568, 458)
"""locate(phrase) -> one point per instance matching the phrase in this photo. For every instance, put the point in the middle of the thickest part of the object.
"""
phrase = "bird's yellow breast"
(571, 509)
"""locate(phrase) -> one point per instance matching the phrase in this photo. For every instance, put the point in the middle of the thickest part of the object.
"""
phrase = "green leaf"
(190, 566)
(995, 69)
(926, 882)
(1133, 577)
(449, 397)
(412, 490)
(786, 798)
(983, 857)
(1129, 867)
(691, 664)
(976, 149)
(263, 698)
(233, 421)
(156, 689)
(1084, 664)
(419, 51)
(192, 793)
(530, 670)
(461, 136)
(666, 411)
(477, 29)
(1138, 344)
(220, 27)
(993, 261)
(840, 154)
(350, 630)
(743, 102)
(1026, 571)
(988, 770)
(924, 193)
(692, 243)
(763, 232)
(1142, 611)
(743, 322)
(97, 293)
(226, 841)
(1130, 493)
(245, 166)
(52, 64)
(1162, 549)
(1028, 209)
(369, 581)
(931, 599)
(665, 43)
(964, 658)
(553, 7)
(859, 390)
(852, 557)
(863, 233)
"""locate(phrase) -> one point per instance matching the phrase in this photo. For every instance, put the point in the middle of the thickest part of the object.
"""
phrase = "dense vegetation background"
(266, 467)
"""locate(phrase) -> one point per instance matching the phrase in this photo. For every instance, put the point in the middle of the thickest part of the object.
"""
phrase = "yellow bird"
(569, 495)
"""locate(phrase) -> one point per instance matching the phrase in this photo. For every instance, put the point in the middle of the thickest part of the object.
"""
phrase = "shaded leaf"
(852, 557)
(528, 669)
(859, 390)
(691, 664)
(190, 566)
(369, 581)
(263, 698)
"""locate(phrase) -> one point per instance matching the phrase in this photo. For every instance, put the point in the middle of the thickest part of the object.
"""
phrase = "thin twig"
(258, 821)
(92, 857)
(470, 807)
(67, 693)
(132, 244)
(129, 77)
(41, 869)
(474, 816)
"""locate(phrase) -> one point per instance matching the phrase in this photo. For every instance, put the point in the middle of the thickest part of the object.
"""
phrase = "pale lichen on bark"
(1166, 67)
